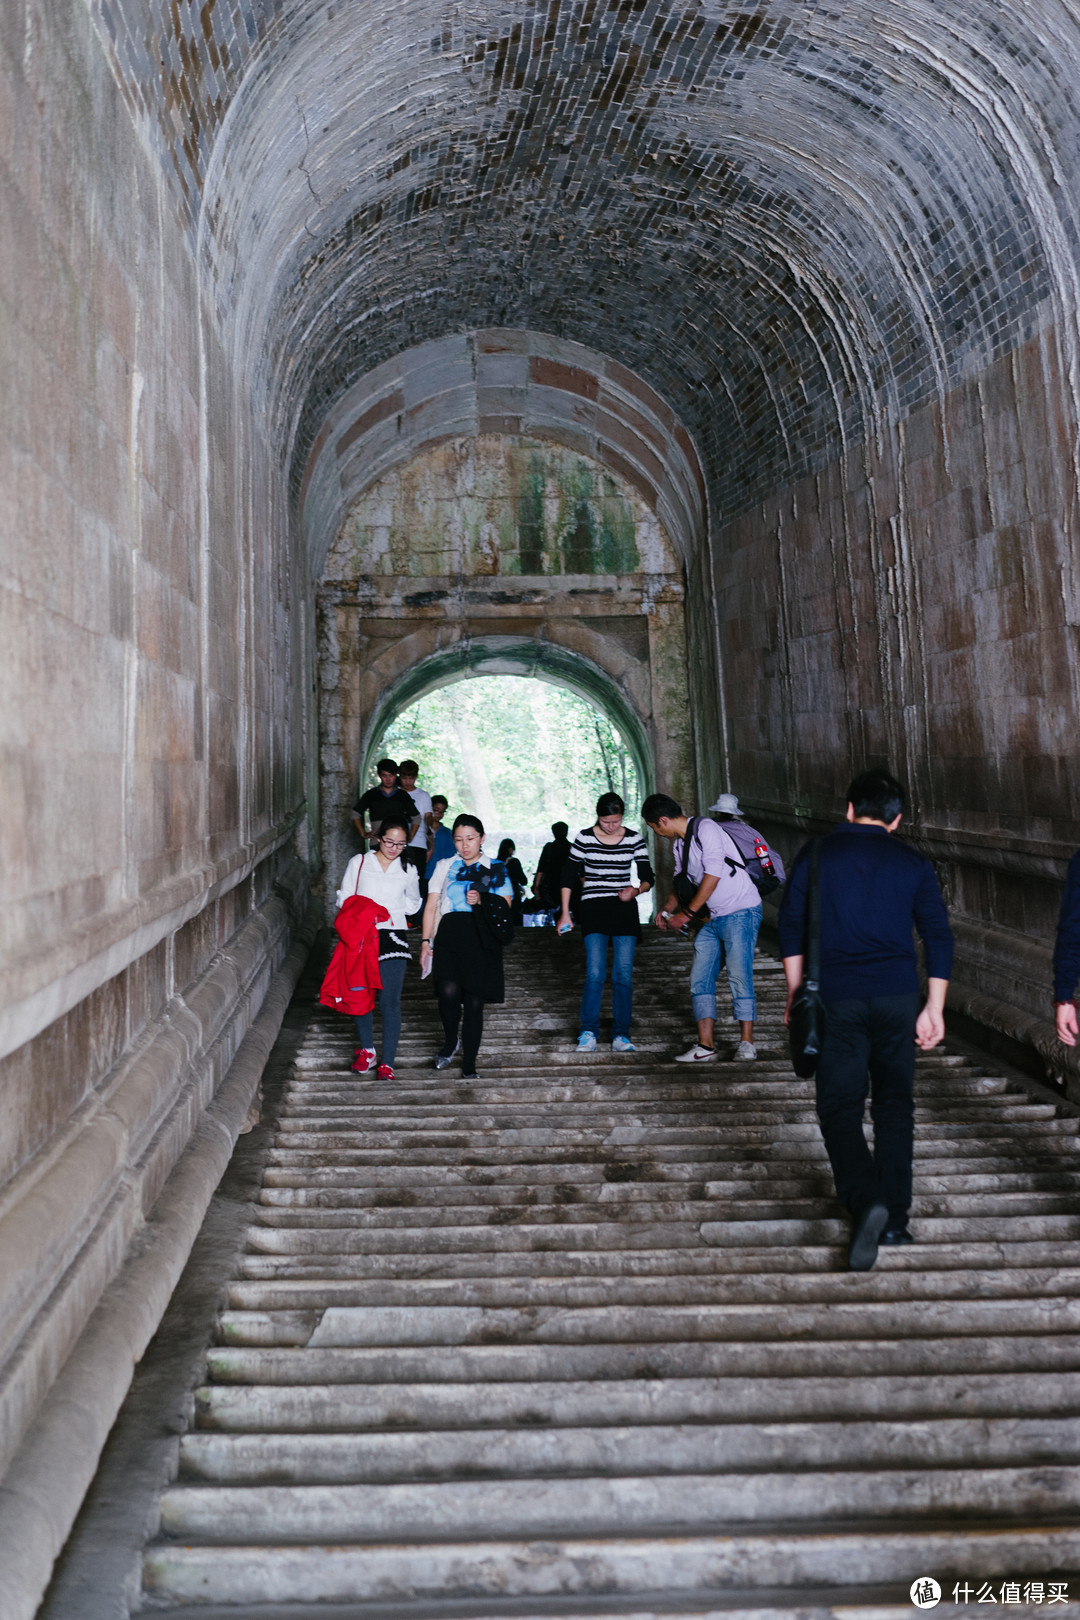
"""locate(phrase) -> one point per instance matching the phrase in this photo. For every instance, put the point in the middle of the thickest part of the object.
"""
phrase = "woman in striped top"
(605, 857)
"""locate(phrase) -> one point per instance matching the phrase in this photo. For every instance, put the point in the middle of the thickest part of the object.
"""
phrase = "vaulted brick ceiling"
(791, 220)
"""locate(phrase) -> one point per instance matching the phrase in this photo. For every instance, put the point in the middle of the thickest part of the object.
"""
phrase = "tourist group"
(851, 907)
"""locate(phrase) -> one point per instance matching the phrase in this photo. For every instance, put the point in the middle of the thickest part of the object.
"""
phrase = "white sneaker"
(744, 1051)
(623, 1043)
(586, 1041)
(697, 1054)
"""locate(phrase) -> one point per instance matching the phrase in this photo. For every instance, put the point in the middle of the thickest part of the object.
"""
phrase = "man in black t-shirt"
(378, 803)
(547, 883)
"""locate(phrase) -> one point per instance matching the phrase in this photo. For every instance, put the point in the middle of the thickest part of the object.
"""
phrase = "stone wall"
(150, 739)
(916, 603)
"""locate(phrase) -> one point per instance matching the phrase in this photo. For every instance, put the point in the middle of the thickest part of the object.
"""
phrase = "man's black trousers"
(870, 1047)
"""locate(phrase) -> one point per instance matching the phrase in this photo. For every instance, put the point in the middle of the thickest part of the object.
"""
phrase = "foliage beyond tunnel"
(521, 753)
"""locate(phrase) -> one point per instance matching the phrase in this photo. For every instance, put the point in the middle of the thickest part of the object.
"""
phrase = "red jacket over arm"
(353, 975)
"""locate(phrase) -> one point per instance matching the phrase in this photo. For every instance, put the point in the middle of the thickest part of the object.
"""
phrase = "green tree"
(536, 752)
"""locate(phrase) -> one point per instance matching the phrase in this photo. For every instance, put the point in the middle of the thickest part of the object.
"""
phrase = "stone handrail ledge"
(42, 1492)
(1061, 1063)
(70, 1215)
(42, 985)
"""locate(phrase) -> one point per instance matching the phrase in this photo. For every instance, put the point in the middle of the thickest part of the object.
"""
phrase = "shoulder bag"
(684, 886)
(806, 1020)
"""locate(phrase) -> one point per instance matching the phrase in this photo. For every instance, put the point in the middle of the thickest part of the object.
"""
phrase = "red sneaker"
(385, 1072)
(364, 1061)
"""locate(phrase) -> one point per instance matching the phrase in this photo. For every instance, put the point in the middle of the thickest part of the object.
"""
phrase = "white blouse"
(398, 888)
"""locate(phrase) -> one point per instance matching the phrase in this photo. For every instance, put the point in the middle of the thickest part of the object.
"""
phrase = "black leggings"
(452, 1000)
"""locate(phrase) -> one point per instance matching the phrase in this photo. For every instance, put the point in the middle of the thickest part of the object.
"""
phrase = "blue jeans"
(622, 981)
(734, 935)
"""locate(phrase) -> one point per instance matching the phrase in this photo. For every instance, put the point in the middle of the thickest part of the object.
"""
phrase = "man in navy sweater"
(1067, 956)
(874, 890)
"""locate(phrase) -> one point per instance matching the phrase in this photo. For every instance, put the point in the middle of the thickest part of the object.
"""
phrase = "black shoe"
(865, 1233)
(443, 1060)
(896, 1234)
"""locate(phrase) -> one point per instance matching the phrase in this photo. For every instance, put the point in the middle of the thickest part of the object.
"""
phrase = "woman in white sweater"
(382, 876)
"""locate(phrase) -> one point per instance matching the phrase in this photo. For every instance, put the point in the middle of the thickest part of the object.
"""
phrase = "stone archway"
(503, 554)
(528, 658)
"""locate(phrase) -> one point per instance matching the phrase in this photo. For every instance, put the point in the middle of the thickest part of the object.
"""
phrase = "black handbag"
(494, 919)
(806, 1019)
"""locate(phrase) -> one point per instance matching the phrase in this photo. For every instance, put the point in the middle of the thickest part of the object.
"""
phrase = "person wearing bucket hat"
(726, 805)
(763, 863)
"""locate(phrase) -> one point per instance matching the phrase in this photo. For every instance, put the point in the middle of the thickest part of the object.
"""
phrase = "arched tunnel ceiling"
(788, 218)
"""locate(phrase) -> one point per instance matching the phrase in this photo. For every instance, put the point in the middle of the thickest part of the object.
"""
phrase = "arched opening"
(494, 661)
(521, 657)
(522, 753)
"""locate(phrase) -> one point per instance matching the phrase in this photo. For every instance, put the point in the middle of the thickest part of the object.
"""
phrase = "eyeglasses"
(391, 843)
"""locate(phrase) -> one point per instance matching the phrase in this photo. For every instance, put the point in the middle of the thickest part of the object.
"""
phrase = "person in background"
(1067, 956)
(747, 840)
(440, 839)
(516, 873)
(547, 882)
(874, 890)
(465, 960)
(606, 857)
(416, 853)
(726, 893)
(378, 803)
(382, 876)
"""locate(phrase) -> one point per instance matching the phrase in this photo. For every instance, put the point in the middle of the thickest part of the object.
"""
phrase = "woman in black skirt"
(465, 956)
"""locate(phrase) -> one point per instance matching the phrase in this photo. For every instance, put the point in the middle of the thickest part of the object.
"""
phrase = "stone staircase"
(578, 1338)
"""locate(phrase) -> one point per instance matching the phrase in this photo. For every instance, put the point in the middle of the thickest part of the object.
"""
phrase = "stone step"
(687, 1262)
(717, 1359)
(621, 1157)
(320, 1408)
(768, 1131)
(340, 1325)
(852, 1603)
(582, 1188)
(285, 1291)
(648, 1172)
(610, 1505)
(724, 1561)
(641, 1088)
(633, 1234)
(614, 1450)
(480, 1116)
(818, 1204)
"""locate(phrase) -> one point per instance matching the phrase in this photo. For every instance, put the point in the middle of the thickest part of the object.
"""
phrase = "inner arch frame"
(527, 657)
